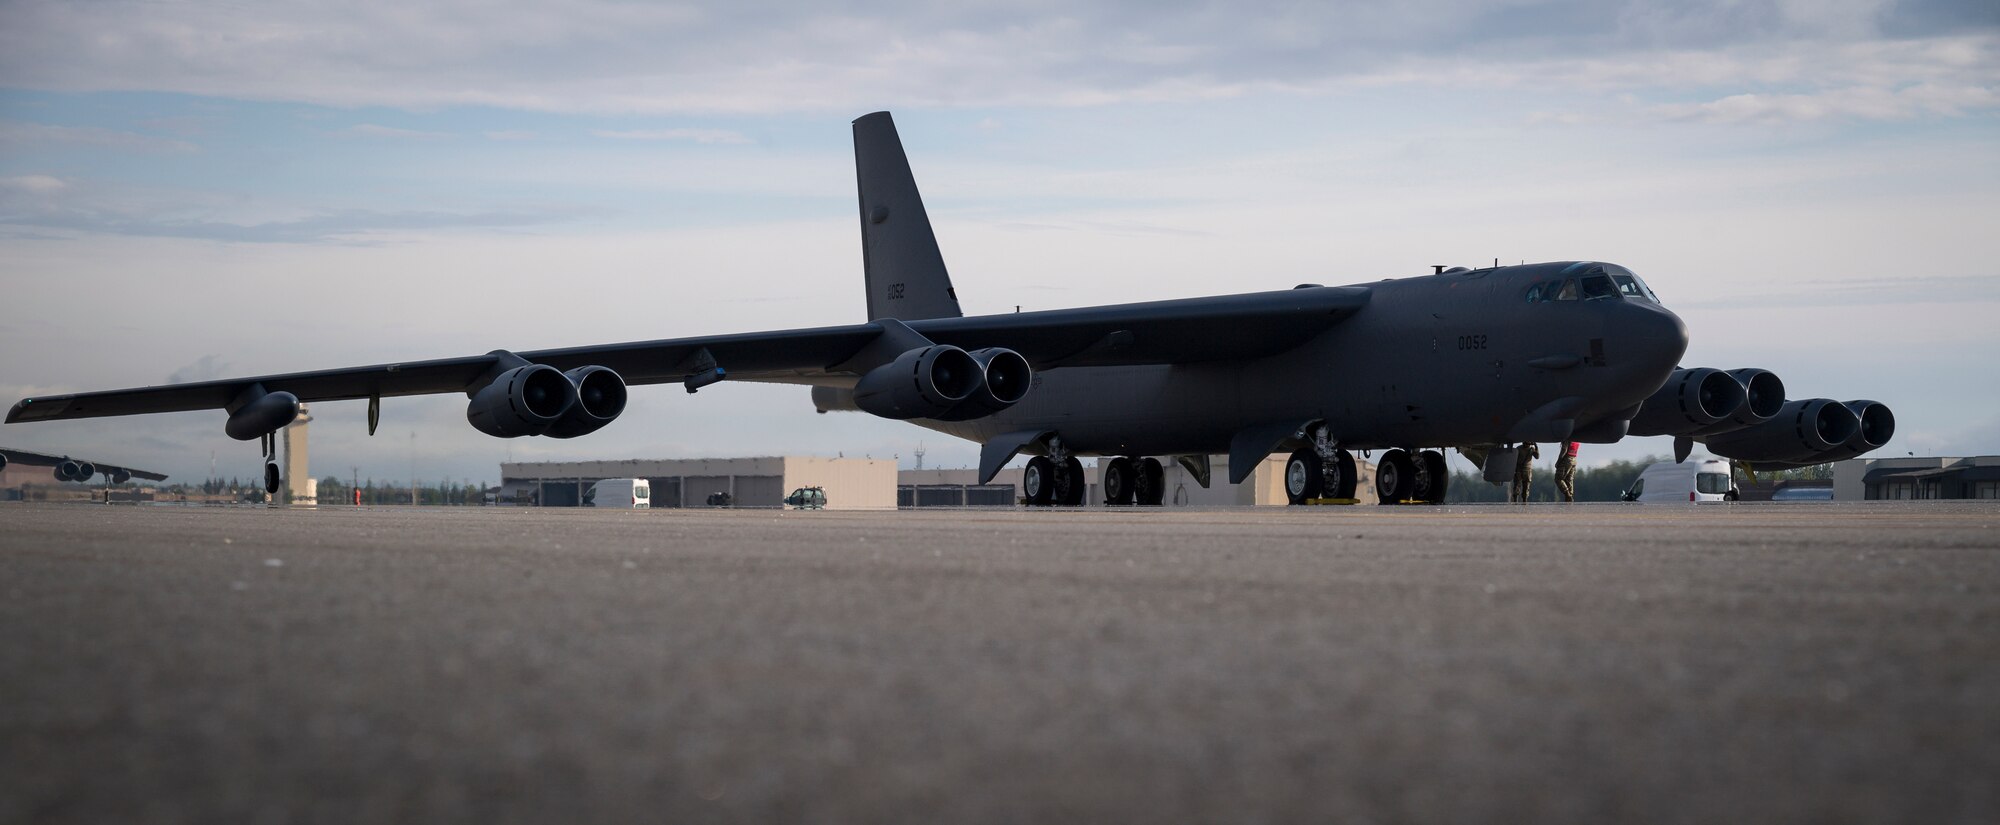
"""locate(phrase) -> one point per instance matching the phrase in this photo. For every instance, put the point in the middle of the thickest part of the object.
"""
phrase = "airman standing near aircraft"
(1566, 472)
(1523, 471)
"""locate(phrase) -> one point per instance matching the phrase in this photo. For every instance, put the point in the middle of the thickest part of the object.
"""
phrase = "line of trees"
(336, 490)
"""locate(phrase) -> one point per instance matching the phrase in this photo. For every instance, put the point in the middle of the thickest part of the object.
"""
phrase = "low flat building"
(1914, 477)
(850, 483)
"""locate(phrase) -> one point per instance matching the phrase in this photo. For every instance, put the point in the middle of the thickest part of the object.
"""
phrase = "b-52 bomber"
(76, 469)
(1480, 360)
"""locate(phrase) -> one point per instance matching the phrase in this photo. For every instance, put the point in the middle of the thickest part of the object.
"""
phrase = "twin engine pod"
(68, 470)
(1804, 429)
(945, 383)
(537, 399)
(1702, 401)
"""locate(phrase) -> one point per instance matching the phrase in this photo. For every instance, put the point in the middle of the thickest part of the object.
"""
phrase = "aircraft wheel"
(1303, 478)
(1120, 481)
(1150, 487)
(1344, 478)
(1395, 477)
(271, 479)
(1436, 474)
(1038, 482)
(1070, 494)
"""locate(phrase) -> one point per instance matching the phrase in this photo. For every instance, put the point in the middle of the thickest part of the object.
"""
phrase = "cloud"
(335, 226)
(17, 133)
(39, 184)
(205, 368)
(711, 136)
(614, 57)
(372, 130)
(1853, 103)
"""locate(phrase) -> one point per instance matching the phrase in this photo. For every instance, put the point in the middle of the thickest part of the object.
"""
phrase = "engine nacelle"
(600, 397)
(121, 477)
(1802, 429)
(3, 461)
(1690, 400)
(1763, 397)
(1005, 378)
(67, 470)
(925, 382)
(1878, 425)
(261, 413)
(525, 400)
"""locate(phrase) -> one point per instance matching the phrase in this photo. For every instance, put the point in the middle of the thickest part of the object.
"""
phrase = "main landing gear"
(1319, 471)
(1055, 479)
(1407, 478)
(1140, 481)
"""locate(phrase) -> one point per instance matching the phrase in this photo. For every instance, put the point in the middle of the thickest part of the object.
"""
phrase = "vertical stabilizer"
(905, 272)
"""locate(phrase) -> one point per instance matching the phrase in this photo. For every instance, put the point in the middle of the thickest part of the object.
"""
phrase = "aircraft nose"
(1656, 336)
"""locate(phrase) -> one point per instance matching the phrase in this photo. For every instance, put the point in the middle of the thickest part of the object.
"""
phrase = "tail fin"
(905, 272)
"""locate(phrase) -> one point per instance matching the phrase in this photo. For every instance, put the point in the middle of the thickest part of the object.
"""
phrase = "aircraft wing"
(28, 459)
(1160, 332)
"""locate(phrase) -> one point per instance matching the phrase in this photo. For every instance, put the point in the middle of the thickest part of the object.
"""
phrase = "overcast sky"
(198, 190)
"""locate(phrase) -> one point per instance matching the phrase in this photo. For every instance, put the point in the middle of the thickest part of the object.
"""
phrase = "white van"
(1696, 479)
(625, 493)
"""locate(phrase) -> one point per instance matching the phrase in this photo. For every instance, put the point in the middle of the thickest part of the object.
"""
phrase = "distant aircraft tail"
(905, 272)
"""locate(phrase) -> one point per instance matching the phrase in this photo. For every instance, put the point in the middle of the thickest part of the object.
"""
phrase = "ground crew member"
(1566, 472)
(1523, 471)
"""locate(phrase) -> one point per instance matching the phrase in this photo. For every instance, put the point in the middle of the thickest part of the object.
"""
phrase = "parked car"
(807, 498)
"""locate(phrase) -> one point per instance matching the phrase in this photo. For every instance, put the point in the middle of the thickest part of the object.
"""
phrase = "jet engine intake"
(1690, 400)
(1802, 429)
(1877, 426)
(1006, 378)
(69, 471)
(1763, 397)
(600, 397)
(525, 400)
(925, 382)
(121, 477)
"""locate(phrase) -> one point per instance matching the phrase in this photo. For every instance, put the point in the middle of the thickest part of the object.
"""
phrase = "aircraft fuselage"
(1458, 358)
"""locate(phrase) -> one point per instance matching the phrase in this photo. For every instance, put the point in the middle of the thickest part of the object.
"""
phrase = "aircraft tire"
(1345, 478)
(271, 479)
(1395, 477)
(1038, 482)
(1071, 495)
(1303, 477)
(1151, 487)
(1121, 481)
(1437, 473)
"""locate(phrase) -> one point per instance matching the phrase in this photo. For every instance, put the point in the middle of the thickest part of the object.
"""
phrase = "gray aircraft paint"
(1460, 358)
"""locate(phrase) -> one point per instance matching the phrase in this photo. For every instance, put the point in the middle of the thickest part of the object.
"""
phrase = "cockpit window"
(1630, 285)
(1598, 288)
(1534, 293)
(1566, 292)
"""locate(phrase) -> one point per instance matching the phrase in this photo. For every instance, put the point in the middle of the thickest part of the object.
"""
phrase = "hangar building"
(850, 483)
(1926, 477)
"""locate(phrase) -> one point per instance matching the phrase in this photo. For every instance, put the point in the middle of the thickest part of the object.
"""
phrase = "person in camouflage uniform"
(1523, 471)
(1566, 472)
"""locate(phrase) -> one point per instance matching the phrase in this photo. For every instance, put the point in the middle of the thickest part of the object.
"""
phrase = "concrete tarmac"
(1747, 663)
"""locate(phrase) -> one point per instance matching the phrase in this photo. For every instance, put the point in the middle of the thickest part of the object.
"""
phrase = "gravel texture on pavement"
(1744, 663)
